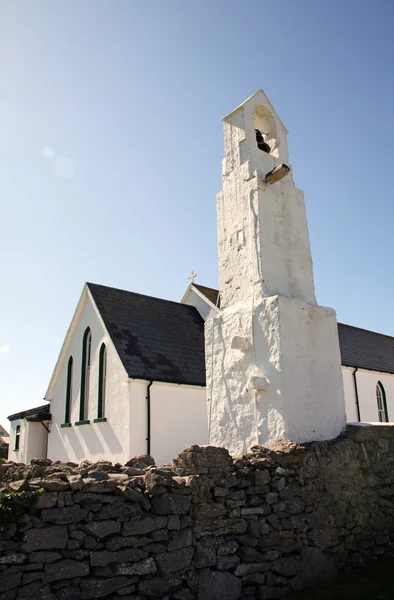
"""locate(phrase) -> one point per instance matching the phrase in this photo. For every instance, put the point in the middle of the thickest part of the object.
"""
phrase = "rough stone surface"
(262, 525)
(289, 383)
(219, 586)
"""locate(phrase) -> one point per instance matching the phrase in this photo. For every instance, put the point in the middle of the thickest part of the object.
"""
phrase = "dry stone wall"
(207, 526)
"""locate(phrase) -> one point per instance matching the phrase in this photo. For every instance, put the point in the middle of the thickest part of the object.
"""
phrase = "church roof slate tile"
(359, 347)
(156, 339)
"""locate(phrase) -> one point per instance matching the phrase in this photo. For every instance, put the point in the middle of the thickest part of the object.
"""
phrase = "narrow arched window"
(383, 414)
(85, 375)
(102, 382)
(69, 390)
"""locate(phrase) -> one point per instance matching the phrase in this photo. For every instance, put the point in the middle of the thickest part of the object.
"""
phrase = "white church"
(261, 360)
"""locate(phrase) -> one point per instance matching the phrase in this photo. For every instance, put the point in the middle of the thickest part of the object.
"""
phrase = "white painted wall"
(178, 419)
(350, 395)
(32, 441)
(109, 440)
(268, 299)
(178, 413)
(193, 298)
(17, 456)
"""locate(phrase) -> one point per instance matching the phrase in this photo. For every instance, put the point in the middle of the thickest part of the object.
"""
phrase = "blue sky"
(111, 146)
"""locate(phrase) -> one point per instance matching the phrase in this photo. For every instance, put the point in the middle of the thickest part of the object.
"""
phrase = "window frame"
(102, 383)
(85, 377)
(383, 415)
(69, 391)
(17, 438)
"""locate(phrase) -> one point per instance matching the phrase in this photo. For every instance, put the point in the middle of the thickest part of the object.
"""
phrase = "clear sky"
(111, 146)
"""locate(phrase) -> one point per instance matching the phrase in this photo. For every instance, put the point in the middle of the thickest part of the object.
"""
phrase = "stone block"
(64, 516)
(218, 586)
(99, 588)
(180, 539)
(51, 538)
(46, 500)
(146, 566)
(170, 562)
(226, 563)
(101, 529)
(104, 558)
(227, 548)
(44, 557)
(159, 586)
(144, 525)
(205, 554)
(261, 477)
(171, 504)
(66, 569)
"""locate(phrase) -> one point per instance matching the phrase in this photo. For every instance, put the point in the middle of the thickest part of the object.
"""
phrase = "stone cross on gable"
(192, 277)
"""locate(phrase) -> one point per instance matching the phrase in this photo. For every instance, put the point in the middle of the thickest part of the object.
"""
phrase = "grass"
(374, 582)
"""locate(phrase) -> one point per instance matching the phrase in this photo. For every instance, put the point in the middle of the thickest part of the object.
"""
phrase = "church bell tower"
(272, 354)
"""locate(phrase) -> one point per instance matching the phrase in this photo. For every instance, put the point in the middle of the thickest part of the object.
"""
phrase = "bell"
(277, 174)
(261, 144)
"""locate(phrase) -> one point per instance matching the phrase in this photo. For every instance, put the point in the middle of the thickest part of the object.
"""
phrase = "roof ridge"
(110, 287)
(366, 330)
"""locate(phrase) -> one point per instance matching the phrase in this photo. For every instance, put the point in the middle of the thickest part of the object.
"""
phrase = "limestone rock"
(66, 569)
(170, 562)
(99, 588)
(63, 516)
(171, 504)
(104, 558)
(158, 587)
(143, 526)
(101, 529)
(51, 538)
(218, 586)
(146, 566)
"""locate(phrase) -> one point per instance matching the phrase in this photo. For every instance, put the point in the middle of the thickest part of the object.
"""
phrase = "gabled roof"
(366, 349)
(209, 293)
(359, 347)
(155, 339)
(39, 413)
(259, 92)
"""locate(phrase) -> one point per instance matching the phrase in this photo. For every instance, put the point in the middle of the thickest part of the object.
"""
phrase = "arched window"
(102, 382)
(69, 391)
(85, 376)
(383, 414)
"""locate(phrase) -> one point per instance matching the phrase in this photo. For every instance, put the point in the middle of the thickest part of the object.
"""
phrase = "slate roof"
(359, 347)
(39, 413)
(156, 339)
(209, 293)
(366, 349)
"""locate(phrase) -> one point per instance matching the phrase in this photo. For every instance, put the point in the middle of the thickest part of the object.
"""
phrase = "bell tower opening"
(264, 123)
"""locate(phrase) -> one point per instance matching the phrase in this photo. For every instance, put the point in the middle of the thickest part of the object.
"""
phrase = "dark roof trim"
(172, 382)
(39, 413)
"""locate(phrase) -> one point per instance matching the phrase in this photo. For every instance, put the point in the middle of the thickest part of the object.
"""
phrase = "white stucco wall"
(109, 440)
(366, 383)
(19, 455)
(350, 395)
(178, 413)
(178, 419)
(275, 370)
(366, 386)
(193, 298)
(32, 441)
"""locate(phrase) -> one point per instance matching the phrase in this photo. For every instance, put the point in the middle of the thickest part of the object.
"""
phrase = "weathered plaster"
(268, 300)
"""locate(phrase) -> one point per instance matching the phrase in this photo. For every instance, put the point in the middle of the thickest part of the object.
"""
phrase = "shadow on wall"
(95, 446)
